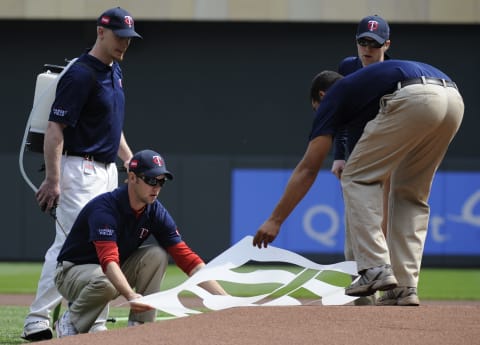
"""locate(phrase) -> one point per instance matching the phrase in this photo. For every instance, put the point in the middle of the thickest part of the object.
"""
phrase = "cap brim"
(126, 33)
(157, 172)
(372, 36)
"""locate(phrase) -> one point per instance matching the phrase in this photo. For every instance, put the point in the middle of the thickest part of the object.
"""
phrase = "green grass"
(449, 284)
(21, 278)
(435, 284)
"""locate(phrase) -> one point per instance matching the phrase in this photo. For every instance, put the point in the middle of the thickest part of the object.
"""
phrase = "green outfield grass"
(435, 284)
(21, 278)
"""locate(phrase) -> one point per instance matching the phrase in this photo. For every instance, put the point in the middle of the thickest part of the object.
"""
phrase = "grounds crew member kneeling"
(103, 256)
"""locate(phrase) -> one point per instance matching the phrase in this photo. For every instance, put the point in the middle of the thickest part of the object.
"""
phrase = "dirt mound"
(428, 324)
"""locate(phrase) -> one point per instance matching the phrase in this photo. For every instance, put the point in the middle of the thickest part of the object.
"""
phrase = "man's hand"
(337, 168)
(266, 234)
(47, 195)
(137, 307)
(118, 279)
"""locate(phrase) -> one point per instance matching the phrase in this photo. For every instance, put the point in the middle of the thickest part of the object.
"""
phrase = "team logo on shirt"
(59, 112)
(144, 233)
(372, 25)
(106, 231)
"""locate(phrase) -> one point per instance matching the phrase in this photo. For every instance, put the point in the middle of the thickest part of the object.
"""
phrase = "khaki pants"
(89, 291)
(407, 139)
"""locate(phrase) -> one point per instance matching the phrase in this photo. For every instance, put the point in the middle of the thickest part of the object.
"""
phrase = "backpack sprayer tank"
(45, 89)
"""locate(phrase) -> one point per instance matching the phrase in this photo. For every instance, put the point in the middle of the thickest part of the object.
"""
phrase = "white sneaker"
(98, 327)
(64, 326)
(132, 323)
(37, 330)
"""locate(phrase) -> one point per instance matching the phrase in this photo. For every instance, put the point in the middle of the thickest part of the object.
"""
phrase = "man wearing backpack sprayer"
(82, 141)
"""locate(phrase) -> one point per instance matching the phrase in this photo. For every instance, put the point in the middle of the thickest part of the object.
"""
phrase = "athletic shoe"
(132, 323)
(98, 327)
(403, 296)
(64, 326)
(37, 330)
(366, 300)
(373, 279)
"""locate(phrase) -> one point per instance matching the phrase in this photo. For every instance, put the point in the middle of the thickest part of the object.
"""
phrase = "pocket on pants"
(59, 276)
(60, 271)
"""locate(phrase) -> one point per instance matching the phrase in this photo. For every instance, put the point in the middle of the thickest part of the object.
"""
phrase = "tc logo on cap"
(158, 160)
(128, 20)
(372, 25)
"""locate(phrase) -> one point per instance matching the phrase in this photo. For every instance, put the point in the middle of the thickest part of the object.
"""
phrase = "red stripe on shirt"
(107, 251)
(184, 257)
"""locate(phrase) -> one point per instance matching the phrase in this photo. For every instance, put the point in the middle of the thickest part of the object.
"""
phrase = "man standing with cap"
(372, 40)
(82, 141)
(104, 256)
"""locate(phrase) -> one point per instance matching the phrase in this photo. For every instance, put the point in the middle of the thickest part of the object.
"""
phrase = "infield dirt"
(433, 323)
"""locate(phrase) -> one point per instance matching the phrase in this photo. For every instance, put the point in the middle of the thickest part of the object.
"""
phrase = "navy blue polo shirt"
(353, 63)
(90, 101)
(109, 217)
(348, 66)
(355, 99)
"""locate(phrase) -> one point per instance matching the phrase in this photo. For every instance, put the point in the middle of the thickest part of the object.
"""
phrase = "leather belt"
(65, 264)
(426, 80)
(86, 156)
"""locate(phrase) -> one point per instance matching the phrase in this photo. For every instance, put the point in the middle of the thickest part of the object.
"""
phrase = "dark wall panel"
(210, 97)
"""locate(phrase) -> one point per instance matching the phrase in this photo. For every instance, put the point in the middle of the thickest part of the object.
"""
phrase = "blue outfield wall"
(317, 224)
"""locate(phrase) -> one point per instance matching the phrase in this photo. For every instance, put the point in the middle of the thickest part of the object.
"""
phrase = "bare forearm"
(297, 187)
(302, 178)
(53, 147)
(124, 151)
(211, 286)
(118, 279)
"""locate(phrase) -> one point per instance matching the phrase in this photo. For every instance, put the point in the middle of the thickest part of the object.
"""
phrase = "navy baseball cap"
(149, 163)
(119, 21)
(374, 27)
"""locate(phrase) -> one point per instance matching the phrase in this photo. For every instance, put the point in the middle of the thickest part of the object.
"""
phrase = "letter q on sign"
(324, 237)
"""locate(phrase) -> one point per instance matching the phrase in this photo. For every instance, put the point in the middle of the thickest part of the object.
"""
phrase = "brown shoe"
(371, 280)
(402, 296)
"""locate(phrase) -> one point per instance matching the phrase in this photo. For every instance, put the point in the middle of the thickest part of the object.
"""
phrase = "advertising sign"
(317, 223)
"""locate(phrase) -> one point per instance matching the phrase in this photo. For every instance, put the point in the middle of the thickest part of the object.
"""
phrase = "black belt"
(86, 156)
(427, 80)
(65, 264)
